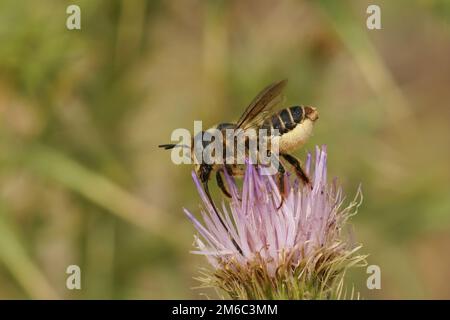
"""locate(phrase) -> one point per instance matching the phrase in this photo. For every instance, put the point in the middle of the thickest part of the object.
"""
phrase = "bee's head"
(311, 113)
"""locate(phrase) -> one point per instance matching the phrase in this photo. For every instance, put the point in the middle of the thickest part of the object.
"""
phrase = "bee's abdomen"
(285, 120)
(297, 113)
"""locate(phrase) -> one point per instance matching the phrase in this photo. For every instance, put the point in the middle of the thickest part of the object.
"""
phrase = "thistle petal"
(292, 250)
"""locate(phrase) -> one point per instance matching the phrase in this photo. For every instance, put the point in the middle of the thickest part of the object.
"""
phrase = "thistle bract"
(298, 250)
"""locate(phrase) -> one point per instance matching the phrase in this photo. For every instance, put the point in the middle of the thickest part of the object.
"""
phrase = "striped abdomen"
(294, 125)
(286, 119)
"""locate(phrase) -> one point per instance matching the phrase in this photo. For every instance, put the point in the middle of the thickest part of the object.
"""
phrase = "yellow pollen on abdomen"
(297, 137)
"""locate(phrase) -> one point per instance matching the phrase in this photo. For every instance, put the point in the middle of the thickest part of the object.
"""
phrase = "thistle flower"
(297, 251)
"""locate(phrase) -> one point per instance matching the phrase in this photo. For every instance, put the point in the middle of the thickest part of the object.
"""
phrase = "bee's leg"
(280, 176)
(229, 169)
(298, 168)
(221, 184)
(205, 172)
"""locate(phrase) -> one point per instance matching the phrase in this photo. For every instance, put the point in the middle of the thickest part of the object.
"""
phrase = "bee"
(291, 127)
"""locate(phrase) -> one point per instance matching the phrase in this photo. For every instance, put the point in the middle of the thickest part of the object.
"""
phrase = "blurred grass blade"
(15, 258)
(353, 34)
(52, 164)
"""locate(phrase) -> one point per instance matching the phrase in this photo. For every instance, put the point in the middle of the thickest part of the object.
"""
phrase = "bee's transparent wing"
(262, 106)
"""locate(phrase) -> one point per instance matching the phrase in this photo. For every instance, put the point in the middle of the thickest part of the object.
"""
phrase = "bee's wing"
(262, 106)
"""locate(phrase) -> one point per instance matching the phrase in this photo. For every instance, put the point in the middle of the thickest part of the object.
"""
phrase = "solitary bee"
(291, 127)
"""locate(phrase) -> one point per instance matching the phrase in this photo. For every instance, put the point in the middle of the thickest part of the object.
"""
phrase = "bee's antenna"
(171, 146)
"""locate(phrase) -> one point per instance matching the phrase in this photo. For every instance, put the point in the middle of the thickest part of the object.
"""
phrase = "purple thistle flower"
(294, 252)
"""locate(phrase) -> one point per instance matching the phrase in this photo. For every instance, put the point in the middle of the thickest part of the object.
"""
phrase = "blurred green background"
(82, 112)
